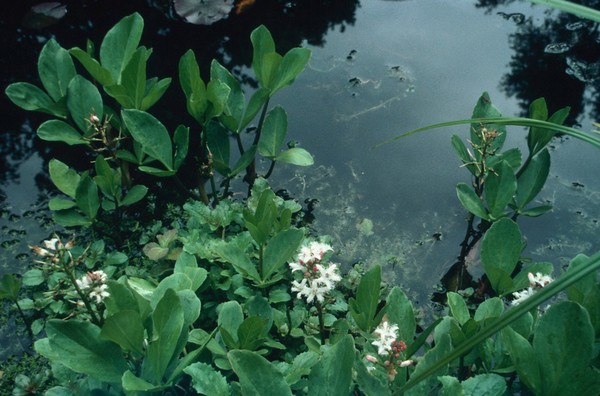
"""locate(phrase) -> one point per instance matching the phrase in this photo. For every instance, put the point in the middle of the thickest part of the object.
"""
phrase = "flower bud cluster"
(317, 278)
(52, 249)
(390, 347)
(95, 282)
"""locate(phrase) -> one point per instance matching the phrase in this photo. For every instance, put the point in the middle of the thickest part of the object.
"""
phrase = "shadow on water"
(561, 48)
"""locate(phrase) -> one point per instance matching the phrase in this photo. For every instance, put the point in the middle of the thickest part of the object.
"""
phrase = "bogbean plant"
(237, 297)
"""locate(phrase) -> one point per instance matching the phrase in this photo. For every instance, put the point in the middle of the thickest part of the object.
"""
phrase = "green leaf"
(60, 204)
(400, 311)
(500, 251)
(257, 375)
(64, 178)
(369, 384)
(193, 86)
(262, 44)
(98, 73)
(120, 43)
(234, 110)
(458, 307)
(9, 287)
(470, 201)
(523, 358)
(536, 211)
(60, 131)
(332, 375)
(126, 329)
(292, 64)
(151, 134)
(206, 380)
(86, 197)
(532, 179)
(133, 78)
(279, 250)
(499, 188)
(218, 142)
(442, 347)
(485, 109)
(135, 194)
(29, 97)
(168, 322)
(77, 345)
(296, 156)
(230, 317)
(217, 93)
(181, 142)
(586, 292)
(490, 308)
(463, 154)
(485, 385)
(131, 383)
(257, 101)
(564, 336)
(364, 307)
(154, 93)
(234, 255)
(33, 277)
(56, 69)
(251, 333)
(70, 218)
(273, 133)
(83, 101)
(244, 160)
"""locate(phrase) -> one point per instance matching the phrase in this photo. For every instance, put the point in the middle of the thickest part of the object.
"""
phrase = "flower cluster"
(388, 345)
(536, 282)
(317, 279)
(95, 282)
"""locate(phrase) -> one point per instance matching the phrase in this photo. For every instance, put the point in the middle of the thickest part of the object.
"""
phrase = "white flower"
(316, 291)
(297, 267)
(52, 244)
(99, 293)
(97, 276)
(521, 296)
(83, 283)
(305, 255)
(387, 335)
(300, 287)
(328, 276)
(318, 249)
(539, 280)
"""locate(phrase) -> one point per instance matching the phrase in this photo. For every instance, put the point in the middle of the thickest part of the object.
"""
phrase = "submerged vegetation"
(221, 295)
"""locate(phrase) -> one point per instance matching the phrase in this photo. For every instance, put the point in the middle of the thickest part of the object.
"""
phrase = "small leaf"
(135, 194)
(280, 249)
(60, 131)
(296, 156)
(120, 43)
(151, 134)
(83, 101)
(257, 375)
(29, 97)
(98, 73)
(86, 197)
(292, 64)
(64, 178)
(532, 179)
(273, 133)
(500, 259)
(56, 69)
(499, 189)
(470, 201)
(206, 380)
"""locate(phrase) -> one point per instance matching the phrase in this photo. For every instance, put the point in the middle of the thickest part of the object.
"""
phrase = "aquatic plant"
(205, 300)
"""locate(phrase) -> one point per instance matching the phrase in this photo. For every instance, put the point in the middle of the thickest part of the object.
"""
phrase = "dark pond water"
(379, 68)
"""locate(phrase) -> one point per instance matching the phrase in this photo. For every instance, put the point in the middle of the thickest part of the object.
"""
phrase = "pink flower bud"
(371, 358)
